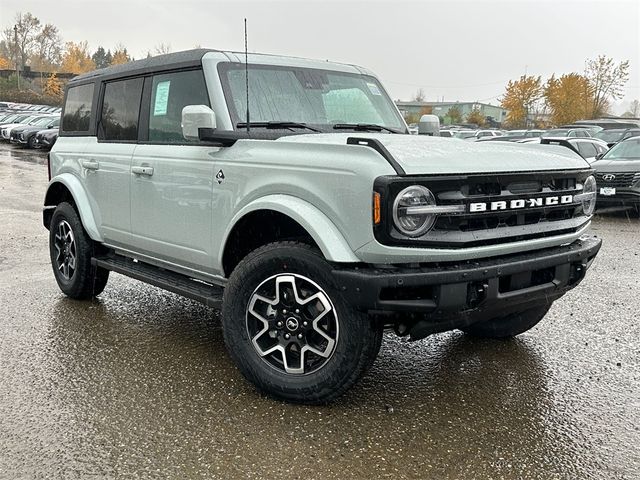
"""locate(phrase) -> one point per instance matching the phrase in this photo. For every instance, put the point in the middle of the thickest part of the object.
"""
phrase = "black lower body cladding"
(440, 297)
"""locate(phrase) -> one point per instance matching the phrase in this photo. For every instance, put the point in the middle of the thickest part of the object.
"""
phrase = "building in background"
(412, 111)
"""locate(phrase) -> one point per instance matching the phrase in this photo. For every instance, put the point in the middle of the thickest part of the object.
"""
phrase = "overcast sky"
(457, 50)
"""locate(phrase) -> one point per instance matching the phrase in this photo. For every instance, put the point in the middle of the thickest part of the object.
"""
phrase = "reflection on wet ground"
(138, 383)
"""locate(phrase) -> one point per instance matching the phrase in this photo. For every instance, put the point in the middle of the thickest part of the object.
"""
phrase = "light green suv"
(289, 193)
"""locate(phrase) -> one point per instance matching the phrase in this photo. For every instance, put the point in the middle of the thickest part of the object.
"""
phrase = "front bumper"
(623, 196)
(456, 294)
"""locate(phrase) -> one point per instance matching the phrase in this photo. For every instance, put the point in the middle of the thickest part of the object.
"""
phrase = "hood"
(28, 129)
(48, 132)
(421, 154)
(617, 165)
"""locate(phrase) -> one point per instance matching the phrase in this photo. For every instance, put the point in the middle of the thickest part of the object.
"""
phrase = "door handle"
(90, 164)
(148, 171)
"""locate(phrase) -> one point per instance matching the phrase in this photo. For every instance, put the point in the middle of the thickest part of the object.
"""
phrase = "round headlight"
(409, 222)
(589, 195)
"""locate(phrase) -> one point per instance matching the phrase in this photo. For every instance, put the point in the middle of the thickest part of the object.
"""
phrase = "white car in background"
(489, 133)
(588, 148)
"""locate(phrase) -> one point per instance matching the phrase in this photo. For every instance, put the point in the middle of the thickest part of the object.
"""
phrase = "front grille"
(489, 227)
(620, 180)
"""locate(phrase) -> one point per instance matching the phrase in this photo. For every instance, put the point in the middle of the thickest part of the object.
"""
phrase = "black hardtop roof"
(169, 61)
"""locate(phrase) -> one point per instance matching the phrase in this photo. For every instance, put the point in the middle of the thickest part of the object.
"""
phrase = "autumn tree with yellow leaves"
(606, 81)
(569, 98)
(520, 99)
(120, 56)
(454, 114)
(53, 87)
(76, 58)
(475, 116)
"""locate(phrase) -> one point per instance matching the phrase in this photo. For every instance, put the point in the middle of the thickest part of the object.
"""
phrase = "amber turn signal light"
(376, 208)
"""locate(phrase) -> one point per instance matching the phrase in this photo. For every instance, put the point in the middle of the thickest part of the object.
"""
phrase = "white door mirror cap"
(195, 117)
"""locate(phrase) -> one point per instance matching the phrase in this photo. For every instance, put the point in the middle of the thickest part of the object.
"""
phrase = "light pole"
(15, 34)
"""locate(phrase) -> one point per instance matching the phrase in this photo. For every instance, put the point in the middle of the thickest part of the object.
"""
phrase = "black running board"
(208, 294)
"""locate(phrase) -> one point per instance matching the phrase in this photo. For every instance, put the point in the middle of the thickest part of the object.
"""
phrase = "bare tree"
(48, 45)
(419, 96)
(606, 82)
(162, 48)
(634, 108)
(21, 38)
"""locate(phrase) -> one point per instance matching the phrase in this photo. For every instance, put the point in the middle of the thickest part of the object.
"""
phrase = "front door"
(171, 178)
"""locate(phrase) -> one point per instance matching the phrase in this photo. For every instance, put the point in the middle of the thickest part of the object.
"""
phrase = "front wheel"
(289, 330)
(71, 250)
(508, 326)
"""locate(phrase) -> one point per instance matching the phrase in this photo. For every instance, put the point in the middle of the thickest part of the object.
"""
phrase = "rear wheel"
(290, 331)
(509, 325)
(71, 250)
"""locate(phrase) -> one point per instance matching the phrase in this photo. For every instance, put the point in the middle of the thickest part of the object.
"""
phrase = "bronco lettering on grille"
(520, 203)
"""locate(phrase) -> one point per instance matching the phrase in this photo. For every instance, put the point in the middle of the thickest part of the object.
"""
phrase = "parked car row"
(30, 126)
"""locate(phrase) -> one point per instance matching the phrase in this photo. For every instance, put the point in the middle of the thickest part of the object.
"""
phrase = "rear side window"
(77, 109)
(170, 93)
(587, 150)
(120, 110)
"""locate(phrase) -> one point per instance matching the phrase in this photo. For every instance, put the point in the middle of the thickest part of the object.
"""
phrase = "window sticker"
(373, 88)
(162, 98)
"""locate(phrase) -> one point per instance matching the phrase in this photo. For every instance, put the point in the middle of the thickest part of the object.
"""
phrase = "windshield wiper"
(277, 125)
(364, 127)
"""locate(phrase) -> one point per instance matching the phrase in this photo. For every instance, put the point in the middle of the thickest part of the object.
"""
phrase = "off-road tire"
(356, 347)
(508, 326)
(86, 281)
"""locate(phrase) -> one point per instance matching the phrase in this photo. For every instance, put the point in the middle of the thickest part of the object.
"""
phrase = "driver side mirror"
(195, 117)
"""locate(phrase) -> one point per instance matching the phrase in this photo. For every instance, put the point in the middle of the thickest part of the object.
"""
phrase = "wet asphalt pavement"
(137, 383)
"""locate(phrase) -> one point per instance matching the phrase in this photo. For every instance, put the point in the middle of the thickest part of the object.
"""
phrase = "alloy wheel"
(292, 324)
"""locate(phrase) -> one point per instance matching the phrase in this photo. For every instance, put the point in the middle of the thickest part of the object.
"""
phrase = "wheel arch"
(292, 217)
(67, 187)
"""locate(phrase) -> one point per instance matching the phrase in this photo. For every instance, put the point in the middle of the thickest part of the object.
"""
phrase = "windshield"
(319, 98)
(43, 121)
(610, 136)
(557, 132)
(629, 149)
(9, 118)
(464, 134)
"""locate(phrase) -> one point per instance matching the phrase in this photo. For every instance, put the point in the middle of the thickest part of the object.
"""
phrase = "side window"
(77, 109)
(120, 110)
(170, 93)
(586, 149)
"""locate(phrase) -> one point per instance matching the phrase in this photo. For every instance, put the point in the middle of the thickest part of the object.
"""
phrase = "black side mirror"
(599, 156)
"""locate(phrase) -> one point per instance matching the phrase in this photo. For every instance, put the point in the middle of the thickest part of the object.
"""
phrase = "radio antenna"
(246, 72)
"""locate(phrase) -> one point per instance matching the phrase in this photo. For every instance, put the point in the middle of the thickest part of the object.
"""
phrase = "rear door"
(172, 178)
(107, 158)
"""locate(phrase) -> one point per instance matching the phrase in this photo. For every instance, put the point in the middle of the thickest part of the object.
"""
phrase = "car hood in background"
(604, 165)
(421, 154)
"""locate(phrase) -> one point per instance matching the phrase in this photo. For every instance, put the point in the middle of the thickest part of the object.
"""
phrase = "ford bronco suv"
(289, 193)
